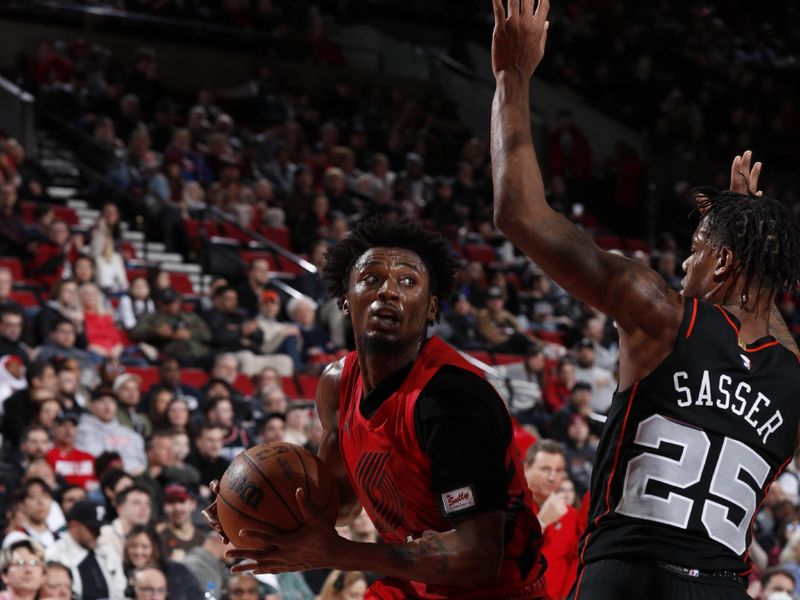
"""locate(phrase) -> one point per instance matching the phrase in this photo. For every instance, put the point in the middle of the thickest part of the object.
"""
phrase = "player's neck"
(377, 367)
(753, 317)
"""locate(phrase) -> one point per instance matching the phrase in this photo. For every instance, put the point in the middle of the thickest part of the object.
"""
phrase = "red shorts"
(397, 589)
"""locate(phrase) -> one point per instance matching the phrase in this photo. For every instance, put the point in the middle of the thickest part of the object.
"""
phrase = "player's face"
(545, 474)
(701, 267)
(389, 299)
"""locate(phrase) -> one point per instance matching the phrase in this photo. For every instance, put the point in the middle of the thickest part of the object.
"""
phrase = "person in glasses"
(149, 583)
(22, 570)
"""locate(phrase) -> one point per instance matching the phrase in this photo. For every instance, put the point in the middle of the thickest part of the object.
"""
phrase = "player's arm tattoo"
(430, 548)
(778, 329)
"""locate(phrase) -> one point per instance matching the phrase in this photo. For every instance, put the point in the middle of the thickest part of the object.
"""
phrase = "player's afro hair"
(432, 248)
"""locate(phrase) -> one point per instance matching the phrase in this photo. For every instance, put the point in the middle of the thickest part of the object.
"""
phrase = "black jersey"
(689, 451)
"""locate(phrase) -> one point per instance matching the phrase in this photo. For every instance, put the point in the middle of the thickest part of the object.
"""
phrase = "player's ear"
(724, 264)
(346, 305)
(433, 307)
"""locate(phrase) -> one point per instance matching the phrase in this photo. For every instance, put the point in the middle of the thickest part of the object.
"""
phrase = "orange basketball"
(258, 490)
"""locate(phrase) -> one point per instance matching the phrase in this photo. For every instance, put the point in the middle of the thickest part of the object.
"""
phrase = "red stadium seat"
(308, 385)
(507, 359)
(196, 378)
(632, 245)
(483, 253)
(25, 298)
(290, 387)
(66, 214)
(243, 384)
(181, 283)
(233, 232)
(249, 256)
(127, 250)
(554, 337)
(279, 235)
(609, 242)
(149, 375)
(289, 266)
(13, 264)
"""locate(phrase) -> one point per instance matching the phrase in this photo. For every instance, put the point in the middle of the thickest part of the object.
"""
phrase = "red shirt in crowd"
(560, 548)
(75, 466)
(101, 330)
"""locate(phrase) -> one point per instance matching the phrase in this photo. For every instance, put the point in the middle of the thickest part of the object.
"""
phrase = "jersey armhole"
(689, 318)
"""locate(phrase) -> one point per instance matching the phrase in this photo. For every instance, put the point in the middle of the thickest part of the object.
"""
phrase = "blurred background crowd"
(161, 307)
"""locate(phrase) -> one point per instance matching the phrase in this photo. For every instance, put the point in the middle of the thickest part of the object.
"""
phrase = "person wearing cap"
(96, 568)
(99, 431)
(127, 387)
(75, 466)
(178, 533)
(280, 337)
(173, 331)
(500, 328)
(602, 381)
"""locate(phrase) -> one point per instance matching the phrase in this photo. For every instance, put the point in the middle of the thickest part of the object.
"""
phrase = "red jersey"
(560, 548)
(392, 479)
(75, 466)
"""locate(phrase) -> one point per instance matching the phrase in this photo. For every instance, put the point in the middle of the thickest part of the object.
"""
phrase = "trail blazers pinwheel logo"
(380, 488)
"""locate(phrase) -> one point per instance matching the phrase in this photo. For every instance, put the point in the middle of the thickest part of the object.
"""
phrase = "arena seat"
(181, 283)
(243, 384)
(149, 376)
(196, 378)
(66, 214)
(25, 298)
(13, 264)
(507, 359)
(290, 387)
(554, 337)
(483, 253)
(308, 385)
(248, 256)
(233, 232)
(609, 242)
(633, 244)
(279, 235)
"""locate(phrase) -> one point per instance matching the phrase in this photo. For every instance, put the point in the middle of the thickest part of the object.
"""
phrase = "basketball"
(257, 490)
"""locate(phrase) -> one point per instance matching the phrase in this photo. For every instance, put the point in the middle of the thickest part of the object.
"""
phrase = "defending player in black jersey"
(707, 413)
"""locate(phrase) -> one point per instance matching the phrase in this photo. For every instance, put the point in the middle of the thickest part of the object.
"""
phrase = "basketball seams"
(305, 471)
(228, 504)
(254, 464)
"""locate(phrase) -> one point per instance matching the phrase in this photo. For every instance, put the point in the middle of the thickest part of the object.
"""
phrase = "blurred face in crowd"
(11, 327)
(354, 591)
(161, 401)
(276, 401)
(259, 272)
(70, 497)
(273, 431)
(578, 431)
(68, 294)
(83, 269)
(59, 233)
(41, 469)
(64, 335)
(161, 452)
(35, 445)
(222, 414)
(179, 513)
(36, 504)
(47, 380)
(64, 434)
(6, 282)
(124, 482)
(778, 583)
(67, 382)
(25, 572)
(545, 474)
(270, 308)
(209, 442)
(585, 356)
(242, 586)
(90, 297)
(297, 419)
(48, 411)
(171, 373)
(57, 584)
(304, 313)
(149, 584)
(181, 445)
(139, 550)
(139, 289)
(104, 408)
(178, 413)
(83, 535)
(535, 363)
(135, 509)
(227, 302)
(128, 393)
(227, 369)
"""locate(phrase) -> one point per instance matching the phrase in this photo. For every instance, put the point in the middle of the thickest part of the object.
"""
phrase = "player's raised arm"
(635, 296)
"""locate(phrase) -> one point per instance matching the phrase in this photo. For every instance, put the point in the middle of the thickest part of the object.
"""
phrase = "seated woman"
(102, 336)
(318, 349)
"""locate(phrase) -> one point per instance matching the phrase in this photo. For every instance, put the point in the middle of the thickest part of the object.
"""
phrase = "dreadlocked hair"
(432, 248)
(763, 236)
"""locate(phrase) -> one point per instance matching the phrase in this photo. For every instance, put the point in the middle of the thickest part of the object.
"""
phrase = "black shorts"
(615, 579)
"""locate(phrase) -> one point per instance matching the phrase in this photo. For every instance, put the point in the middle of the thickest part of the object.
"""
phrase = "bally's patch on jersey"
(458, 500)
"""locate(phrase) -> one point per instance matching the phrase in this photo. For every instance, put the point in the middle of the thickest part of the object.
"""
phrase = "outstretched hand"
(519, 38)
(312, 546)
(744, 179)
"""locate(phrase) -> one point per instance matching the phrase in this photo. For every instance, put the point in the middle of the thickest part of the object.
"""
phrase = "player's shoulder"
(329, 384)
(457, 391)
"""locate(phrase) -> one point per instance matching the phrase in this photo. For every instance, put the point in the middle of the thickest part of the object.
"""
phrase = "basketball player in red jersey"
(416, 436)
(706, 415)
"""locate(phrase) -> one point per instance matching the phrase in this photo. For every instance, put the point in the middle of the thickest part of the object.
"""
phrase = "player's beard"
(379, 344)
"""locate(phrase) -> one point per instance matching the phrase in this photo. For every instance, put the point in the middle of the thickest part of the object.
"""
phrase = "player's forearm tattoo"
(431, 549)
(403, 555)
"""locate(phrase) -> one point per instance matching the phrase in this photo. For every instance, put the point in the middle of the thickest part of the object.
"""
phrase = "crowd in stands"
(122, 397)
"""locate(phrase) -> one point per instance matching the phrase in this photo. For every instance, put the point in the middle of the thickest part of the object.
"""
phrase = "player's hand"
(312, 546)
(552, 509)
(743, 177)
(519, 39)
(210, 515)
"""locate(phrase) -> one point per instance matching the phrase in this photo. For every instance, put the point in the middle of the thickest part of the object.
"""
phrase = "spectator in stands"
(159, 401)
(500, 328)
(11, 327)
(96, 568)
(256, 283)
(602, 381)
(54, 258)
(279, 337)
(580, 452)
(33, 178)
(37, 501)
(72, 395)
(776, 584)
(102, 336)
(6, 289)
(46, 412)
(462, 322)
(143, 548)
(112, 481)
(606, 357)
(109, 265)
(75, 466)
(61, 345)
(22, 570)
(63, 303)
(318, 349)
(127, 388)
(12, 378)
(298, 421)
(178, 414)
(163, 466)
(83, 271)
(20, 408)
(178, 334)
(178, 534)
(562, 526)
(133, 506)
(100, 431)
(57, 584)
(273, 428)
(243, 586)
(233, 332)
(170, 378)
(343, 585)
(219, 412)
(207, 562)
(137, 303)
(149, 583)
(207, 457)
(13, 238)
(558, 390)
